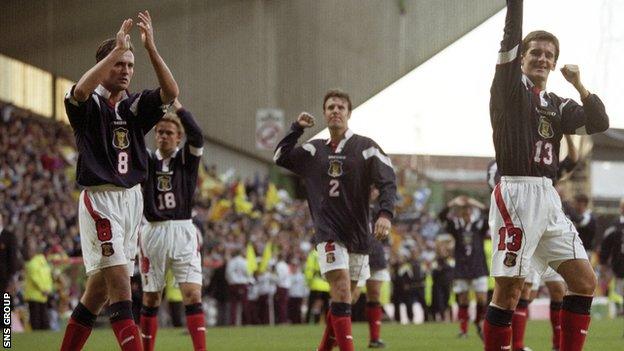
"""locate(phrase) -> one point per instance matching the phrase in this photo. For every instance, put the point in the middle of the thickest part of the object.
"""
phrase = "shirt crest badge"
(545, 128)
(335, 168)
(164, 183)
(120, 138)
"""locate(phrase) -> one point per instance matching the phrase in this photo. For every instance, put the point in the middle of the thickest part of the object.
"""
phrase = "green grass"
(604, 335)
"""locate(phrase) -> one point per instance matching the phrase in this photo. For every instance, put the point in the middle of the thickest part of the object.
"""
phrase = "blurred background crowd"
(259, 264)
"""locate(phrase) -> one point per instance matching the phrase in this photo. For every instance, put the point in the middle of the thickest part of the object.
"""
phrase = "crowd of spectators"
(255, 239)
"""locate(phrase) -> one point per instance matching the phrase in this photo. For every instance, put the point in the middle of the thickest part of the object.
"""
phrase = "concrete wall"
(232, 57)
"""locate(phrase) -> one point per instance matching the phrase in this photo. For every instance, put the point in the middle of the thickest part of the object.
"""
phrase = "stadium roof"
(441, 107)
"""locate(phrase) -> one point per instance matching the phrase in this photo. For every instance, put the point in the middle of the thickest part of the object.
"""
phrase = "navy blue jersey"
(338, 184)
(111, 138)
(171, 182)
(612, 248)
(469, 253)
(528, 124)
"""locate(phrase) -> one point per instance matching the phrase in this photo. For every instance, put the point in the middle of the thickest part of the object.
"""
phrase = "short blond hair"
(172, 118)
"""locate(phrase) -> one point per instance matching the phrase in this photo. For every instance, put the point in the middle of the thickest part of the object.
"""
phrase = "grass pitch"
(603, 335)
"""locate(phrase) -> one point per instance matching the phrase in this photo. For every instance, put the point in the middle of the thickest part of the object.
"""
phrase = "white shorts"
(169, 244)
(109, 219)
(479, 285)
(333, 256)
(382, 275)
(529, 227)
(536, 279)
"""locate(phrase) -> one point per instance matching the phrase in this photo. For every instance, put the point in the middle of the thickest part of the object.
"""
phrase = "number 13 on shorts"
(509, 238)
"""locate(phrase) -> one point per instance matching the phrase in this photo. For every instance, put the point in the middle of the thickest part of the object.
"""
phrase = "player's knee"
(585, 285)
(507, 293)
(191, 296)
(118, 287)
(341, 291)
(151, 299)
(95, 297)
(373, 296)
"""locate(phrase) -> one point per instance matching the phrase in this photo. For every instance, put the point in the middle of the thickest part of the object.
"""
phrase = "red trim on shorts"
(87, 202)
(500, 203)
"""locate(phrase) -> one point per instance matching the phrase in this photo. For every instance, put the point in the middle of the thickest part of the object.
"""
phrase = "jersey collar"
(103, 92)
(348, 134)
(160, 157)
(529, 85)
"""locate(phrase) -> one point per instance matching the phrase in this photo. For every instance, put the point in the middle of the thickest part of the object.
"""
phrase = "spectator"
(38, 285)
(586, 223)
(408, 285)
(237, 277)
(283, 280)
(9, 263)
(218, 289)
(442, 276)
(612, 254)
(298, 291)
(318, 301)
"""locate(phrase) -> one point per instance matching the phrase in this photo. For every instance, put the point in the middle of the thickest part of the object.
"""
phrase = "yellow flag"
(266, 257)
(271, 199)
(241, 205)
(252, 264)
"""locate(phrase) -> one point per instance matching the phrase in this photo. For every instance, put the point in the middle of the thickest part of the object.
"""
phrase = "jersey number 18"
(166, 201)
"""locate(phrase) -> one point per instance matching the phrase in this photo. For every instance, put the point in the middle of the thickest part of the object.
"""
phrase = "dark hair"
(337, 93)
(540, 35)
(582, 198)
(106, 47)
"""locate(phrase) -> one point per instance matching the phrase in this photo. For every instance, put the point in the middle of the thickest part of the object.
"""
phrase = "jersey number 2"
(333, 188)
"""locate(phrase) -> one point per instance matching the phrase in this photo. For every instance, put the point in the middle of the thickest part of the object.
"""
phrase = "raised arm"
(589, 118)
(168, 86)
(194, 136)
(291, 157)
(93, 77)
(508, 76)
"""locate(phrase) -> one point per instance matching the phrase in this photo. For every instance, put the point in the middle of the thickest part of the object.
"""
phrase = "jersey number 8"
(122, 162)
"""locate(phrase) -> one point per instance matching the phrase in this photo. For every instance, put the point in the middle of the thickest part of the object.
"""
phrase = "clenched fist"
(305, 120)
(573, 75)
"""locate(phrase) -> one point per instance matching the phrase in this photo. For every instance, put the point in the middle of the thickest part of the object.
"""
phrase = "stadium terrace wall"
(232, 57)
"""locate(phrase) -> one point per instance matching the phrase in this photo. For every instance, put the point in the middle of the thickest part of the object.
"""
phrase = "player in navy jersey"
(338, 174)
(528, 224)
(470, 272)
(169, 238)
(109, 125)
(553, 281)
